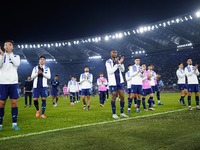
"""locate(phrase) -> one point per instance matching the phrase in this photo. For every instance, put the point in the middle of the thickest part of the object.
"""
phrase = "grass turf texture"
(165, 131)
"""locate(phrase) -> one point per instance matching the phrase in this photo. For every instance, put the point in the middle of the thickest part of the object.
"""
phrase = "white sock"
(0, 125)
(129, 108)
(14, 124)
(158, 101)
(138, 109)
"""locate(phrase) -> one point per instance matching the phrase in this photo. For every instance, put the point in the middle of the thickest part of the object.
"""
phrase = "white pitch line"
(91, 124)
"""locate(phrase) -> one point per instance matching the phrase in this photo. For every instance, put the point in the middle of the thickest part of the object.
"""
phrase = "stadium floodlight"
(134, 32)
(152, 27)
(140, 52)
(120, 35)
(181, 20)
(198, 14)
(136, 52)
(31, 46)
(26, 46)
(93, 39)
(145, 29)
(38, 45)
(59, 44)
(106, 38)
(63, 43)
(49, 45)
(128, 33)
(168, 22)
(143, 51)
(177, 20)
(186, 18)
(113, 37)
(96, 39)
(172, 21)
(156, 26)
(138, 31)
(77, 42)
(141, 29)
(94, 57)
(89, 40)
(18, 46)
(132, 52)
(148, 28)
(164, 24)
(34, 46)
(56, 44)
(69, 43)
(45, 45)
(22, 46)
(116, 35)
(99, 38)
(190, 17)
(74, 42)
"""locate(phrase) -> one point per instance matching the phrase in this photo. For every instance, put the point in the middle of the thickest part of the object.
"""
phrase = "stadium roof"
(181, 32)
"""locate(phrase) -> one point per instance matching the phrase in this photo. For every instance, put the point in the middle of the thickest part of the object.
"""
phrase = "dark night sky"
(31, 21)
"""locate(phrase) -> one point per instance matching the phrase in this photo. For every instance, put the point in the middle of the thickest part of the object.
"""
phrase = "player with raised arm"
(146, 86)
(181, 83)
(54, 87)
(86, 80)
(114, 68)
(40, 75)
(72, 89)
(136, 73)
(193, 84)
(102, 82)
(9, 86)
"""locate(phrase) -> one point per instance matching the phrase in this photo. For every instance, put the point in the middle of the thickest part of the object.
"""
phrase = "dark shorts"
(72, 93)
(182, 86)
(85, 92)
(54, 92)
(119, 86)
(156, 88)
(147, 91)
(136, 89)
(129, 91)
(37, 92)
(193, 88)
(79, 93)
(153, 88)
(11, 90)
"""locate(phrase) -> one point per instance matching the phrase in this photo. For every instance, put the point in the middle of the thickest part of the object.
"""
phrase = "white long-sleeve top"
(152, 79)
(111, 72)
(128, 79)
(181, 76)
(191, 74)
(46, 76)
(86, 83)
(72, 86)
(8, 68)
(136, 77)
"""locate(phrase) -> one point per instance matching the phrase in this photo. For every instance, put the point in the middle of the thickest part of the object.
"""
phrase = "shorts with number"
(136, 89)
(42, 91)
(147, 91)
(193, 88)
(119, 86)
(182, 86)
(85, 92)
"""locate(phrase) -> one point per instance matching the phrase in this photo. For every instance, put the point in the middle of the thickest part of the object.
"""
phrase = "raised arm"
(34, 73)
(47, 74)
(15, 59)
(111, 70)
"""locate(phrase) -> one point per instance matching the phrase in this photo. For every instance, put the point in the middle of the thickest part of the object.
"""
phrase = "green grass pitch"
(178, 130)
